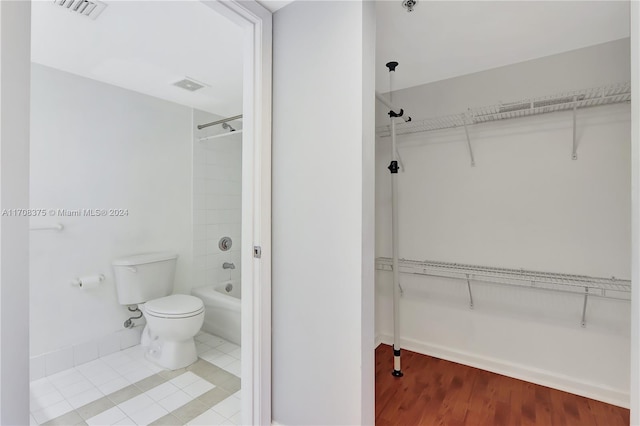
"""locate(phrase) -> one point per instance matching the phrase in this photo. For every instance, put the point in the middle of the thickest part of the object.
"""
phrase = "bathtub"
(221, 309)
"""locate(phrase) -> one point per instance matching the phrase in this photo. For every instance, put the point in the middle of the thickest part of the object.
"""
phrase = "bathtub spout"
(227, 265)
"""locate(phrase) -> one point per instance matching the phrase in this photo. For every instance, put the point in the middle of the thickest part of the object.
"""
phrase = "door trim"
(256, 205)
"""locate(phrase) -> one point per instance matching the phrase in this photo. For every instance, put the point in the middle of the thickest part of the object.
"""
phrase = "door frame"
(256, 22)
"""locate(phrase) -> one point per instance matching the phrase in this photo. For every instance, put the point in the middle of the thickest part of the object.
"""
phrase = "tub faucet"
(227, 265)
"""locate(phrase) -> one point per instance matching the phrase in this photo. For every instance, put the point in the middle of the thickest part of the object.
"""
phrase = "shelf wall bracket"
(574, 151)
(470, 294)
(584, 307)
(466, 132)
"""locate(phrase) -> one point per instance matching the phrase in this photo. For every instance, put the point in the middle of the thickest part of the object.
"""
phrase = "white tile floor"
(61, 393)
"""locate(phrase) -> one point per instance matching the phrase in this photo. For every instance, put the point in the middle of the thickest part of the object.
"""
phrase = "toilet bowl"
(146, 280)
(172, 323)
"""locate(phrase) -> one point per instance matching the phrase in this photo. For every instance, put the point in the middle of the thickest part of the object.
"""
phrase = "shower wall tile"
(212, 230)
(213, 216)
(199, 232)
(211, 277)
(199, 202)
(213, 248)
(235, 201)
(199, 185)
(199, 216)
(217, 204)
(200, 246)
(199, 170)
(215, 173)
(200, 262)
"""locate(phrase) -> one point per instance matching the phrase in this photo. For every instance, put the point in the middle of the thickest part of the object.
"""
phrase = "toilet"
(173, 320)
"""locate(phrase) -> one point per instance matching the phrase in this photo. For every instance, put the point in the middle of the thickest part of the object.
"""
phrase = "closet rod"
(224, 120)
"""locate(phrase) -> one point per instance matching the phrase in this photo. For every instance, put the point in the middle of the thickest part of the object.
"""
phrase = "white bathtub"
(221, 309)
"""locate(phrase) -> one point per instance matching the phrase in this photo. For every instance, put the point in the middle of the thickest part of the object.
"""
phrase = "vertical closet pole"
(393, 168)
(397, 371)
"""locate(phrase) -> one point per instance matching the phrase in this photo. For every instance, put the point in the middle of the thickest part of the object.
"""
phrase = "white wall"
(527, 205)
(578, 69)
(96, 146)
(322, 210)
(15, 29)
(367, 337)
(217, 201)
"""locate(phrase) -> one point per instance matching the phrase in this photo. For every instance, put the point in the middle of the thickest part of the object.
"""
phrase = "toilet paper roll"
(89, 282)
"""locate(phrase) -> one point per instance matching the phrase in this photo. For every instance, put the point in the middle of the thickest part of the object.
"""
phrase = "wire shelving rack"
(565, 101)
(611, 288)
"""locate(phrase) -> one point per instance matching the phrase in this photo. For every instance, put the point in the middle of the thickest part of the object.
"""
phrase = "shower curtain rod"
(224, 120)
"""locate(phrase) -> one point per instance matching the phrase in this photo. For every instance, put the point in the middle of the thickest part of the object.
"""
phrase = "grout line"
(226, 385)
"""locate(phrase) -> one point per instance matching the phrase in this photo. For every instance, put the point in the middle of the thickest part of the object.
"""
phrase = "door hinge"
(257, 252)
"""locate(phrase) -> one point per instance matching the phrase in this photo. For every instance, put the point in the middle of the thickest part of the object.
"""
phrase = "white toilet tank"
(144, 277)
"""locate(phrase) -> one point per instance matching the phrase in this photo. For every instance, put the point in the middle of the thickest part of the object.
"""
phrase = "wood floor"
(438, 392)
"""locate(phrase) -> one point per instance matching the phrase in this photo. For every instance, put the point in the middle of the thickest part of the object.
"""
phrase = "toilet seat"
(174, 306)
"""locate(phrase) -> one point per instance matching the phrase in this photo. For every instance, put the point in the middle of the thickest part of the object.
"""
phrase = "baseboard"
(379, 340)
(517, 371)
(62, 359)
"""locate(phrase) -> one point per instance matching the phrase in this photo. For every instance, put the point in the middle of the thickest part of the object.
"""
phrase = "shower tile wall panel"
(217, 202)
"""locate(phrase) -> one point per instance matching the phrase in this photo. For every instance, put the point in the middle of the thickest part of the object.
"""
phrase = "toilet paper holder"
(77, 282)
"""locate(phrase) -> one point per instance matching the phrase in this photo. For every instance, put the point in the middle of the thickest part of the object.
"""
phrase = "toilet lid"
(178, 305)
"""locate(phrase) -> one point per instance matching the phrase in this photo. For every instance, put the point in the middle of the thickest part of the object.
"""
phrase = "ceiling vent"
(189, 84)
(88, 8)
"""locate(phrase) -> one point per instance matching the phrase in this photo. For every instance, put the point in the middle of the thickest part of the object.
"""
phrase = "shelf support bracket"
(470, 294)
(466, 132)
(584, 307)
(574, 151)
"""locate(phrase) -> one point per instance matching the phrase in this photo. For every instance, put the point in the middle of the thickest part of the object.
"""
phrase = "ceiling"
(146, 46)
(444, 39)
(274, 5)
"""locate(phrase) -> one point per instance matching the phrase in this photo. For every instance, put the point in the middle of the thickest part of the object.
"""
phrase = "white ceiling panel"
(444, 39)
(146, 46)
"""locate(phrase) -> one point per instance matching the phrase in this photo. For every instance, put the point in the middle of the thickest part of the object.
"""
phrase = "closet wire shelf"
(612, 288)
(566, 101)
